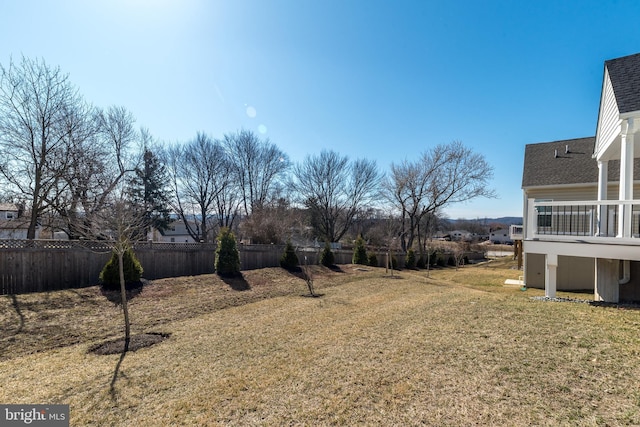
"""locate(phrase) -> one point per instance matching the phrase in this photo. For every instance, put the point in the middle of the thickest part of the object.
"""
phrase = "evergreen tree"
(148, 190)
(327, 258)
(289, 259)
(410, 259)
(227, 256)
(359, 252)
(110, 274)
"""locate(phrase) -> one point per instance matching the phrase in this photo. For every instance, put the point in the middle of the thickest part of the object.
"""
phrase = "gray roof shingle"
(624, 73)
(542, 168)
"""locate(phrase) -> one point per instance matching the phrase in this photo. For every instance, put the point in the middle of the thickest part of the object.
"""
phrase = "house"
(12, 226)
(461, 235)
(581, 209)
(500, 236)
(175, 233)
(8, 211)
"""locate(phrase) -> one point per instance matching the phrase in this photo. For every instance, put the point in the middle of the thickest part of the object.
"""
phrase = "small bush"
(439, 260)
(289, 259)
(372, 260)
(451, 261)
(410, 259)
(422, 262)
(227, 261)
(110, 274)
(359, 252)
(327, 258)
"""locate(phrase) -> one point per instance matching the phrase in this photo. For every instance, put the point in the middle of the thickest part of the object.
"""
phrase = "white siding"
(608, 118)
(573, 194)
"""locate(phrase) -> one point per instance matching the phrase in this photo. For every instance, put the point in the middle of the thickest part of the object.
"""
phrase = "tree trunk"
(123, 296)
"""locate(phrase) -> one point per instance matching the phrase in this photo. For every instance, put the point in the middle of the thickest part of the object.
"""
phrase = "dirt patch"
(135, 343)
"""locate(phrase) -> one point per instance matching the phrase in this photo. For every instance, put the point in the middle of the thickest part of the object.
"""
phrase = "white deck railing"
(607, 221)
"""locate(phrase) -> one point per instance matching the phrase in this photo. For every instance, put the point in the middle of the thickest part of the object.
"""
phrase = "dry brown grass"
(453, 349)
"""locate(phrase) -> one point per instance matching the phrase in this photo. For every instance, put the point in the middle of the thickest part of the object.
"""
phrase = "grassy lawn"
(457, 348)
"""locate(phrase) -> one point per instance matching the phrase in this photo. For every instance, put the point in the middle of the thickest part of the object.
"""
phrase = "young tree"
(227, 261)
(327, 258)
(359, 252)
(335, 190)
(289, 259)
(118, 222)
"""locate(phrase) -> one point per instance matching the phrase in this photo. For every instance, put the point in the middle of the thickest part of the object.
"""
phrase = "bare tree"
(120, 222)
(272, 223)
(199, 175)
(258, 166)
(335, 190)
(34, 101)
(101, 152)
(445, 175)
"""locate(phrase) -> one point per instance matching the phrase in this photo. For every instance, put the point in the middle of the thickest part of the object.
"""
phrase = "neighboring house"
(461, 235)
(12, 226)
(581, 212)
(175, 233)
(8, 211)
(500, 236)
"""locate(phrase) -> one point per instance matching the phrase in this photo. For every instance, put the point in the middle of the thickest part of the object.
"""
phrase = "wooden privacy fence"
(47, 265)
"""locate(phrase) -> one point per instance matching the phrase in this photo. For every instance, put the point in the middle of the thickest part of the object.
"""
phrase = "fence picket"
(46, 265)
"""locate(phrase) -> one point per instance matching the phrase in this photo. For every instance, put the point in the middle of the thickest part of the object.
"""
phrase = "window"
(544, 214)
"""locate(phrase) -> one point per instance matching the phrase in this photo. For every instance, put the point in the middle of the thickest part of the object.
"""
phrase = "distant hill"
(517, 220)
(507, 220)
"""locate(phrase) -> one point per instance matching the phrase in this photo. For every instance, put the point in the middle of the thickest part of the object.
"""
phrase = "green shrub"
(422, 262)
(227, 261)
(327, 258)
(435, 258)
(289, 259)
(372, 260)
(451, 261)
(410, 259)
(110, 274)
(439, 260)
(359, 252)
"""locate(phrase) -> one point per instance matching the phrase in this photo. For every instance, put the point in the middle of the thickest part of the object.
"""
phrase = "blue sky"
(384, 80)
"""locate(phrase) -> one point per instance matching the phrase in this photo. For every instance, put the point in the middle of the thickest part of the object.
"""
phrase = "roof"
(542, 167)
(11, 207)
(624, 74)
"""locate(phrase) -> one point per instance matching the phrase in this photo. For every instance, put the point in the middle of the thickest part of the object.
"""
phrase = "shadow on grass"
(16, 307)
(86, 299)
(112, 386)
(113, 293)
(237, 282)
